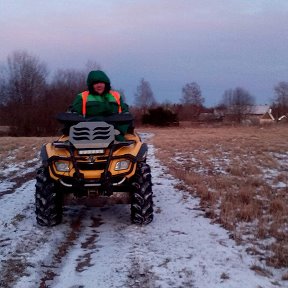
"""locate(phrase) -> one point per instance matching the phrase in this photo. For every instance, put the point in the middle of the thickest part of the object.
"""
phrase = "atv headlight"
(62, 166)
(122, 165)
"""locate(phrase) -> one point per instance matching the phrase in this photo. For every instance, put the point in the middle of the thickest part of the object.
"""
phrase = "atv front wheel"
(47, 200)
(142, 202)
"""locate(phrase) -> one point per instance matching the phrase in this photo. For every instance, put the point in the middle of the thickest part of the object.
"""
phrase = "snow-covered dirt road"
(98, 247)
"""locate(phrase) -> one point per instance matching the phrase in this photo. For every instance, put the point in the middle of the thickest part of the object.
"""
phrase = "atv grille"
(89, 135)
(91, 166)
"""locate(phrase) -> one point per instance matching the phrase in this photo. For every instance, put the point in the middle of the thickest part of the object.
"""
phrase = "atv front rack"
(92, 135)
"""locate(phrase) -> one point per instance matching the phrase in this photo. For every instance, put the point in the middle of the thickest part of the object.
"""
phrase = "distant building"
(259, 110)
(263, 113)
(258, 114)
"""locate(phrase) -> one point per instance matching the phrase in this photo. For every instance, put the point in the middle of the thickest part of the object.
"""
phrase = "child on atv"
(100, 100)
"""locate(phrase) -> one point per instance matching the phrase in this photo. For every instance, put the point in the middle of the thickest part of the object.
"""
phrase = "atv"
(89, 165)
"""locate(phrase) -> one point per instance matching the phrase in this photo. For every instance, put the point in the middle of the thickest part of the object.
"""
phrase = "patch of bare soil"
(18, 266)
(18, 181)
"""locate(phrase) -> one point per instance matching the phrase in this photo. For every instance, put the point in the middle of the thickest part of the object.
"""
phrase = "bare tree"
(281, 90)
(91, 65)
(65, 85)
(192, 102)
(238, 102)
(280, 106)
(69, 81)
(3, 85)
(191, 94)
(26, 78)
(24, 86)
(144, 96)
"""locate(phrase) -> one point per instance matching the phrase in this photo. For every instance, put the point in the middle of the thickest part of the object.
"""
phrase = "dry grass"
(240, 175)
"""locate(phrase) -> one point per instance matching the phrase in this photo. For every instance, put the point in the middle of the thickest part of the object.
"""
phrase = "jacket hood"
(98, 76)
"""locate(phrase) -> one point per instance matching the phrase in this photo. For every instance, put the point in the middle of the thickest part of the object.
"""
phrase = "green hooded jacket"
(100, 105)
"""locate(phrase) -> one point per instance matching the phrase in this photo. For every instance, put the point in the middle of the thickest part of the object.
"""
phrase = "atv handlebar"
(70, 117)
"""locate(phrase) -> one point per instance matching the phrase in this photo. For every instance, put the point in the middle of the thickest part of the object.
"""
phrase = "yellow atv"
(87, 164)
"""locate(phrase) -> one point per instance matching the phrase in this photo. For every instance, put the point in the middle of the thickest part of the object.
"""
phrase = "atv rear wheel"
(142, 201)
(47, 200)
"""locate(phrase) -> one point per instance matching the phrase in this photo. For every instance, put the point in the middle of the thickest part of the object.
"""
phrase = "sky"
(219, 44)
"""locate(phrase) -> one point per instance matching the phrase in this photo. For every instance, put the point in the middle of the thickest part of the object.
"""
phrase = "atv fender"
(44, 155)
(142, 154)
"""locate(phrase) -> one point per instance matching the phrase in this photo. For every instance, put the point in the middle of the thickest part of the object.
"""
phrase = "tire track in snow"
(49, 271)
(151, 256)
(82, 233)
(106, 254)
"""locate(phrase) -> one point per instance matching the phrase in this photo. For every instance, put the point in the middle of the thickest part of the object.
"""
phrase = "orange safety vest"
(85, 94)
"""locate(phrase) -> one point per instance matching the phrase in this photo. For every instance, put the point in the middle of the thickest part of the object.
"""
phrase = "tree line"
(29, 99)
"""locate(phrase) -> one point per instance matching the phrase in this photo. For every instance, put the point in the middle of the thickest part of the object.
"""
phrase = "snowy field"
(98, 247)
